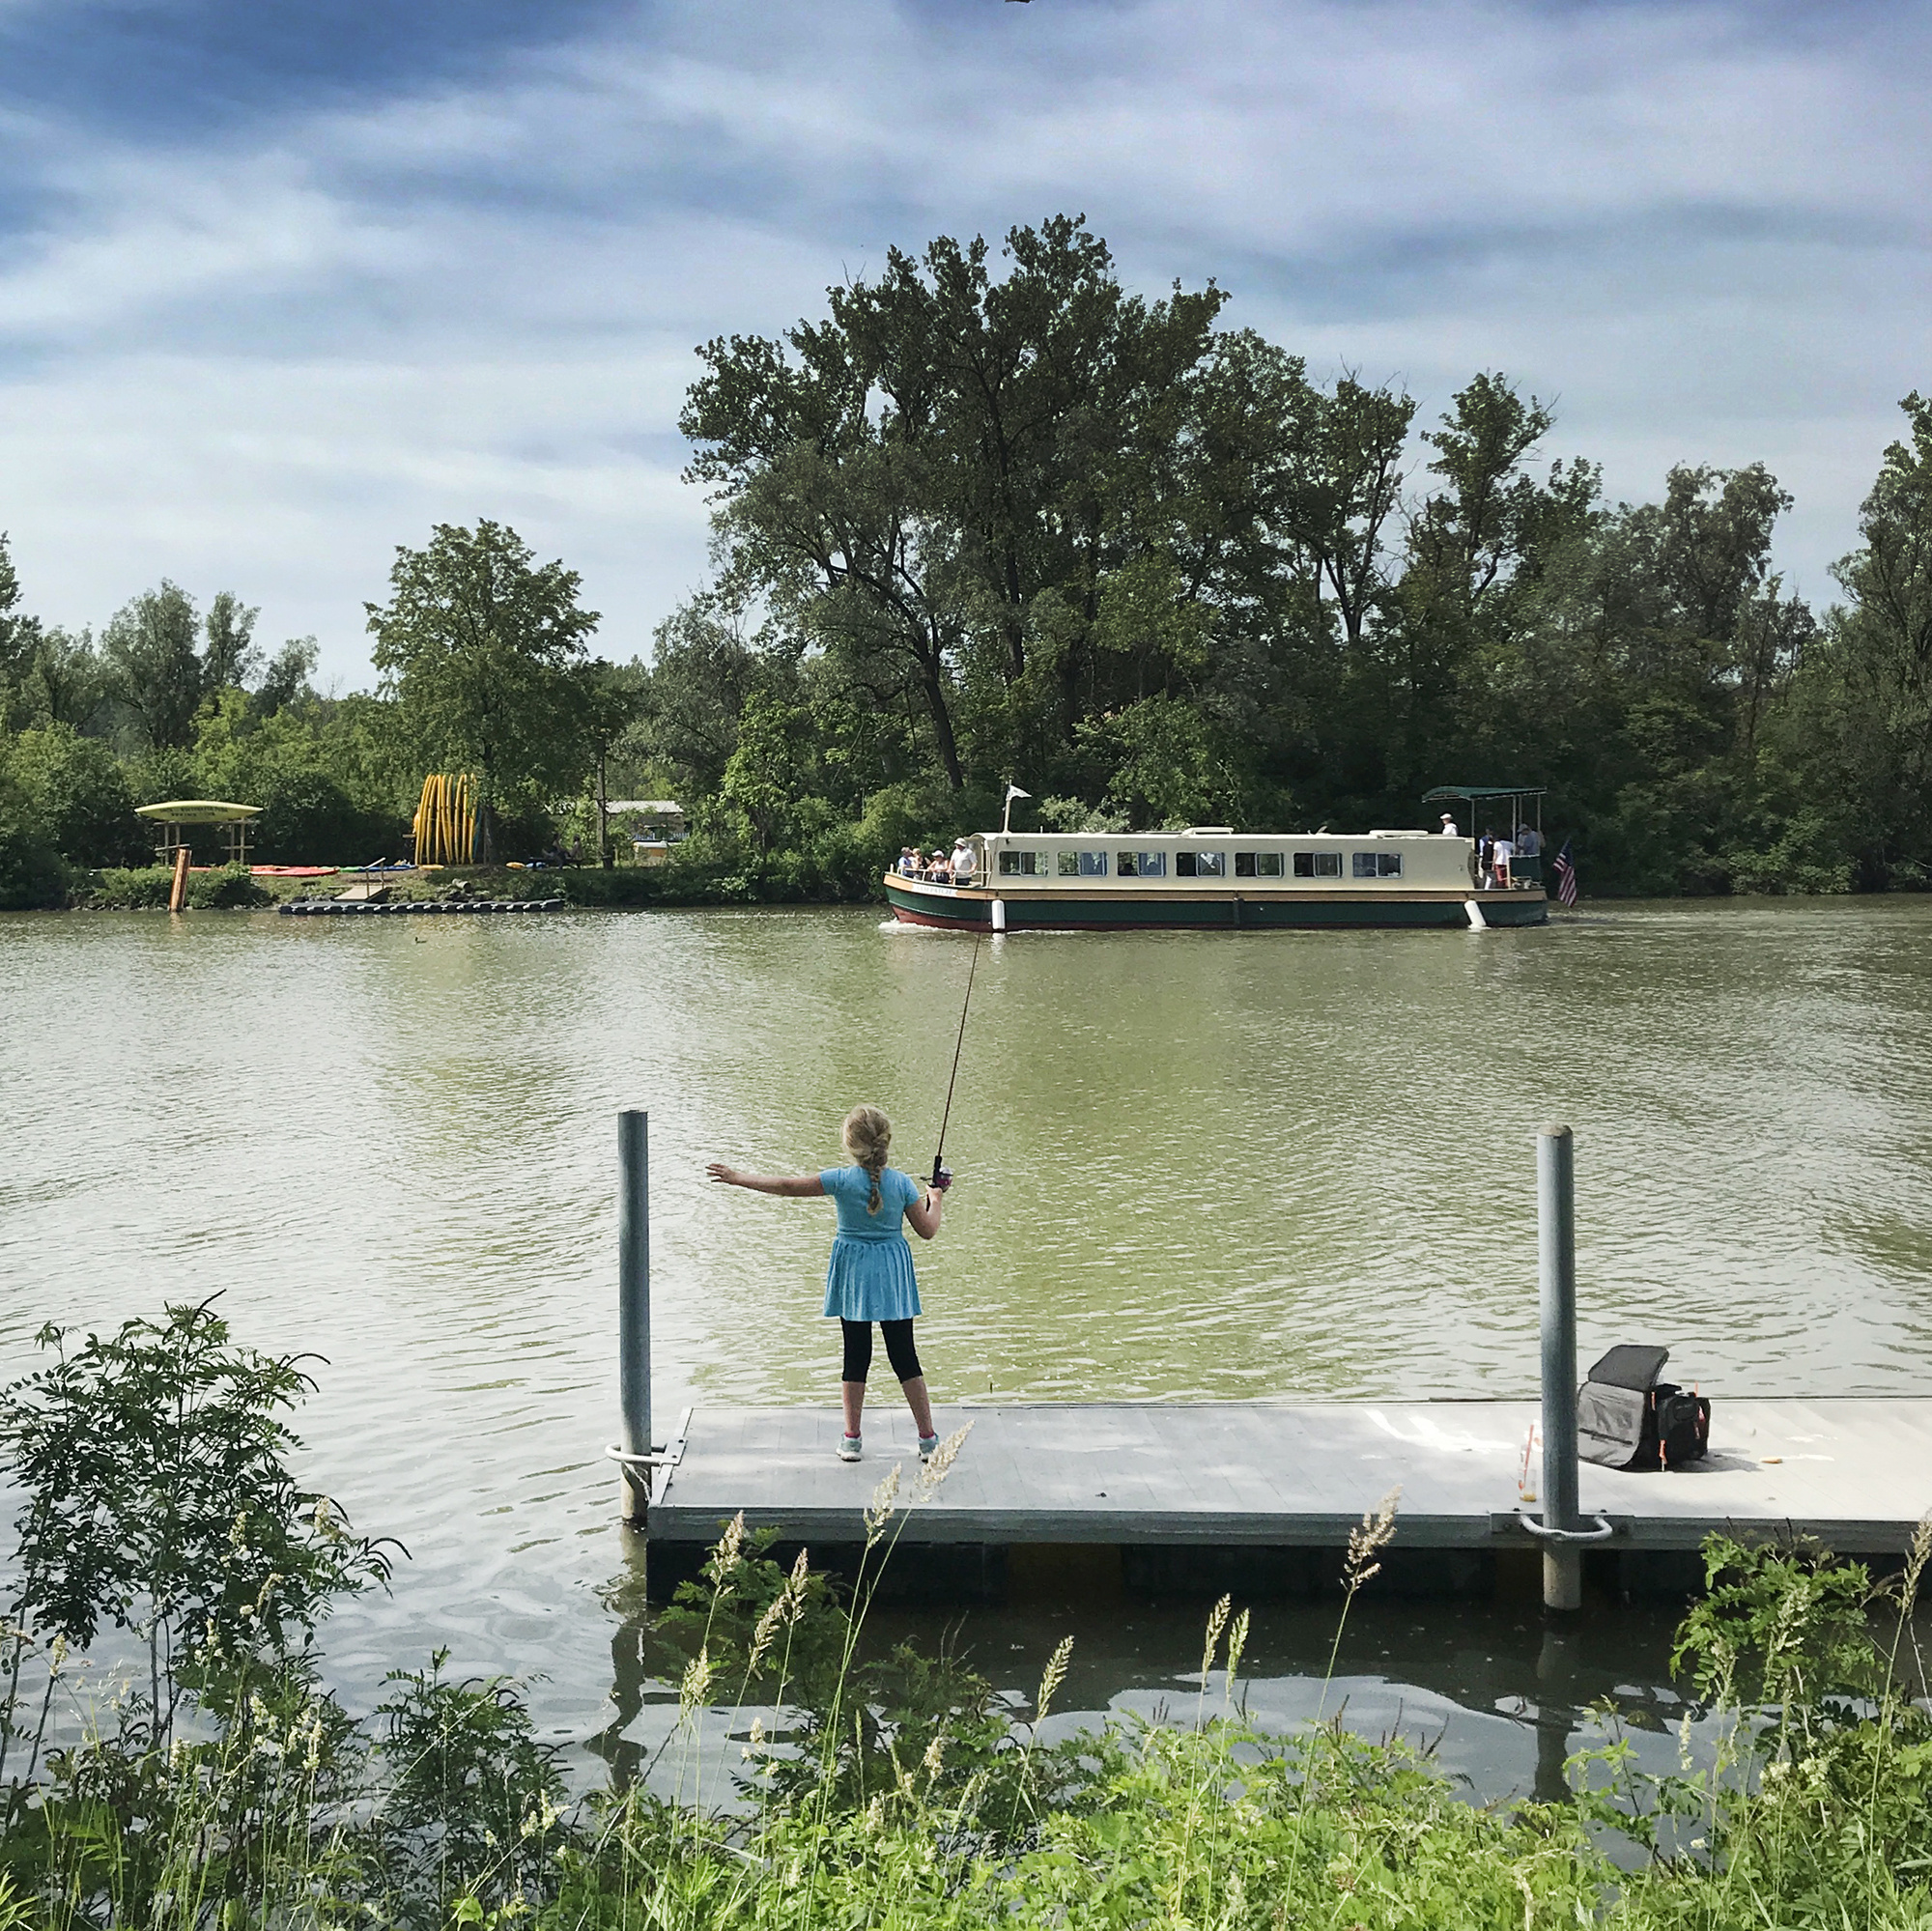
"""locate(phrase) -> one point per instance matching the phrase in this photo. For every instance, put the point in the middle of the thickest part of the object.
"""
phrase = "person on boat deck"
(908, 860)
(1486, 862)
(869, 1277)
(1500, 855)
(1528, 840)
(1449, 830)
(939, 869)
(962, 861)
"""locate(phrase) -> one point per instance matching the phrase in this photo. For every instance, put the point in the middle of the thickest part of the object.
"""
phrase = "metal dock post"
(1557, 1299)
(634, 1453)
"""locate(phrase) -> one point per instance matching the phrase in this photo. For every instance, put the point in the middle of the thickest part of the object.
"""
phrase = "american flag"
(1566, 876)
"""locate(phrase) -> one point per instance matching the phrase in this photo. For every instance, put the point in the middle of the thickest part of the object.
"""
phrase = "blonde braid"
(868, 1138)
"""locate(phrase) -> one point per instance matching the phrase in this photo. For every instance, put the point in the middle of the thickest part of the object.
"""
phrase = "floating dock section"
(363, 908)
(1260, 1497)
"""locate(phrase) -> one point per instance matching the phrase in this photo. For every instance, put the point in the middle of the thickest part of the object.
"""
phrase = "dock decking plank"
(1856, 1472)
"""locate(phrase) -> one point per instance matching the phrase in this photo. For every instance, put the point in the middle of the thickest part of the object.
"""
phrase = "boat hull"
(970, 909)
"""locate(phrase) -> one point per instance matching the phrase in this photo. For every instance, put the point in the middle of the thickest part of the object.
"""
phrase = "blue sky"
(282, 286)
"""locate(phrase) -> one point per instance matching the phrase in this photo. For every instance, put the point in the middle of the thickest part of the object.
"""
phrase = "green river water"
(1190, 1165)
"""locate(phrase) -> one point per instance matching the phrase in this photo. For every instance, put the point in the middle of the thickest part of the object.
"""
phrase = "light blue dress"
(871, 1276)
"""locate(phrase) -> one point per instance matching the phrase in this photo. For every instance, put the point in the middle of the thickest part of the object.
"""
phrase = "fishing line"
(965, 1007)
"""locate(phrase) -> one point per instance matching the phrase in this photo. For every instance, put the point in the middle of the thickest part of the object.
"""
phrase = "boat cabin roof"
(1475, 791)
(1195, 832)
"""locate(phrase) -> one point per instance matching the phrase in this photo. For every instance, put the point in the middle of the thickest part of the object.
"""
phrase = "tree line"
(991, 517)
(484, 668)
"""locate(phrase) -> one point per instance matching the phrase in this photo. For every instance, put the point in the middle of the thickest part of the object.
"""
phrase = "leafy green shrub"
(32, 875)
(231, 888)
(1810, 854)
(148, 887)
(622, 885)
(140, 889)
(158, 1499)
(166, 772)
(473, 1804)
(81, 794)
(1816, 1807)
(308, 818)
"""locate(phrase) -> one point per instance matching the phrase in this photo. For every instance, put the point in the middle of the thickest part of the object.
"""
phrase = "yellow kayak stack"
(446, 821)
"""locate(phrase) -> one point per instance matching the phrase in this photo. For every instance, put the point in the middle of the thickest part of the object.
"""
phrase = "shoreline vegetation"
(230, 888)
(582, 888)
(991, 516)
(221, 1784)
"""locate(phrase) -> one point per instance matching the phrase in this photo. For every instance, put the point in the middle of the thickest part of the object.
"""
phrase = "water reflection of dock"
(1260, 1497)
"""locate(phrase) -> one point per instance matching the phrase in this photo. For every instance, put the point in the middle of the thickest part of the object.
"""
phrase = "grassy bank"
(224, 1785)
(146, 887)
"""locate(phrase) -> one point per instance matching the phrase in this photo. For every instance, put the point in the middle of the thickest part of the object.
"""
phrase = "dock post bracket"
(1601, 1530)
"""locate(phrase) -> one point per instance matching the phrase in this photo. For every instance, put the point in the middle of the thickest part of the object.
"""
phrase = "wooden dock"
(1262, 1495)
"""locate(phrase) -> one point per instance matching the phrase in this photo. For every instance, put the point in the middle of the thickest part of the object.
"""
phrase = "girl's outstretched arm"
(923, 1215)
(801, 1188)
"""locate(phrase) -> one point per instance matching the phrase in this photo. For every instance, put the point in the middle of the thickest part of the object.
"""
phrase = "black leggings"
(899, 1350)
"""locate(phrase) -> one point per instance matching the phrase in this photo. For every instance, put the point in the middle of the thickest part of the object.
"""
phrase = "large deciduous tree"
(1876, 662)
(607, 698)
(480, 646)
(230, 659)
(915, 483)
(149, 647)
(18, 633)
(157, 669)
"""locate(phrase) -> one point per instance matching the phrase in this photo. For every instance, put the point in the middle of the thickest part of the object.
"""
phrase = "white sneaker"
(851, 1447)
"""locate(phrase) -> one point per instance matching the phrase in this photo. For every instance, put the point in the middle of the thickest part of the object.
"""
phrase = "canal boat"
(1212, 876)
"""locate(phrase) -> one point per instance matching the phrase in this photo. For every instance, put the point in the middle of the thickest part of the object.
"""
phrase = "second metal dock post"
(1556, 1295)
(634, 1308)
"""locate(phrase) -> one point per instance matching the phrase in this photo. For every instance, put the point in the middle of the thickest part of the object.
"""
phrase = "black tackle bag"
(1627, 1418)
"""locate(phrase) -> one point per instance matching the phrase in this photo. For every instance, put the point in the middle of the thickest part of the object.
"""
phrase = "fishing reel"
(941, 1176)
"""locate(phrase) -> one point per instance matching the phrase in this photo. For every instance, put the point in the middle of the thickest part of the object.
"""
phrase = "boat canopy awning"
(1442, 791)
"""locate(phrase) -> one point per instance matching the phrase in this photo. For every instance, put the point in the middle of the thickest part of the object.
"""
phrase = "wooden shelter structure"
(178, 815)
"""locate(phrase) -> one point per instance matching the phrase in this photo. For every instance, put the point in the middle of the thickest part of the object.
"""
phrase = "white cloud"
(264, 361)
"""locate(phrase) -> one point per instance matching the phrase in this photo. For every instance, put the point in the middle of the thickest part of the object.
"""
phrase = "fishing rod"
(940, 1178)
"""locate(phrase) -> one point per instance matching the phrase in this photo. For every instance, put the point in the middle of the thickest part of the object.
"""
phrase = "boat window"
(1257, 864)
(1317, 865)
(1200, 865)
(1083, 865)
(1378, 864)
(1141, 865)
(1018, 864)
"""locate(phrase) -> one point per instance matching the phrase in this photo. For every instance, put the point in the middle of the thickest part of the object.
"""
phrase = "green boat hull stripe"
(1283, 913)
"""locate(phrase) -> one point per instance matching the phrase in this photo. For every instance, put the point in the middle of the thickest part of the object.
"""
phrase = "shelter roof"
(197, 811)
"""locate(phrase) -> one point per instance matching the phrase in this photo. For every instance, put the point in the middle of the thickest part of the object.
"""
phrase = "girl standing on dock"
(870, 1278)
